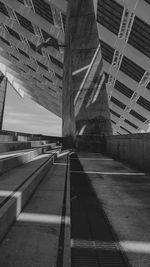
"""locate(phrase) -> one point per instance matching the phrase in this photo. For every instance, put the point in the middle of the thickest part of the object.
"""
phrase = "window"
(3, 9)
(25, 23)
(13, 33)
(144, 103)
(37, 80)
(51, 89)
(125, 129)
(54, 41)
(106, 77)
(131, 69)
(137, 115)
(56, 62)
(33, 47)
(14, 57)
(107, 51)
(4, 40)
(30, 68)
(42, 65)
(43, 9)
(47, 79)
(23, 53)
(113, 122)
(140, 37)
(123, 89)
(117, 102)
(21, 1)
(109, 14)
(131, 124)
(114, 113)
(58, 76)
(148, 86)
(148, 1)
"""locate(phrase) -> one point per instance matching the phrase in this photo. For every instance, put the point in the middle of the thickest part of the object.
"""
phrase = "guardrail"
(19, 136)
(132, 148)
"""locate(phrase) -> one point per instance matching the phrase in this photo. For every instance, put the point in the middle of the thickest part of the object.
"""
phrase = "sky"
(24, 115)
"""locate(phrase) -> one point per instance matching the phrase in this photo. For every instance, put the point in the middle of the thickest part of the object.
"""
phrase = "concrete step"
(12, 146)
(17, 186)
(13, 160)
(16, 145)
(10, 160)
(41, 233)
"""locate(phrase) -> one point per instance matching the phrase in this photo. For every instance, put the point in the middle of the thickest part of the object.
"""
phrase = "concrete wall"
(85, 102)
(91, 143)
(133, 148)
(3, 86)
(10, 136)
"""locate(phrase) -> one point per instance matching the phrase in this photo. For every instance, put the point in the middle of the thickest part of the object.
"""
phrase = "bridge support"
(83, 75)
(3, 88)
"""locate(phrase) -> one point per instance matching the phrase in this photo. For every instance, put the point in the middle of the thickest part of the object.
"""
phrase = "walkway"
(110, 217)
(36, 237)
(110, 213)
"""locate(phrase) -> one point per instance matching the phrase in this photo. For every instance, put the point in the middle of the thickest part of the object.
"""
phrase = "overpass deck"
(109, 217)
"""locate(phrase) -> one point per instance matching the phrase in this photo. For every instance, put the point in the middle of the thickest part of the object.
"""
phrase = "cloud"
(24, 115)
(23, 122)
(15, 114)
(12, 121)
(9, 109)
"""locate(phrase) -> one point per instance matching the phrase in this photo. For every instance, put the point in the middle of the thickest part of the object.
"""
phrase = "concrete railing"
(8, 136)
(132, 148)
(91, 143)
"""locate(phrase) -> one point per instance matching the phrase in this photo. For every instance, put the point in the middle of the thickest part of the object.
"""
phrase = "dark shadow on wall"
(91, 143)
(91, 233)
(94, 116)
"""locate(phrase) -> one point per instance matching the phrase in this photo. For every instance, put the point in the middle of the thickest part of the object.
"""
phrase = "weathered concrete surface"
(34, 239)
(85, 105)
(134, 149)
(17, 186)
(10, 146)
(122, 195)
(10, 161)
(91, 143)
(93, 242)
(67, 236)
(3, 85)
(9, 136)
(20, 145)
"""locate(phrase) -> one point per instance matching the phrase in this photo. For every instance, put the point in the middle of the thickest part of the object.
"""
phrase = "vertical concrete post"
(3, 88)
(68, 119)
(81, 39)
(85, 102)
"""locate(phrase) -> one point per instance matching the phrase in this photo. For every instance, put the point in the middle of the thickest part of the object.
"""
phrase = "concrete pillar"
(3, 87)
(68, 120)
(83, 71)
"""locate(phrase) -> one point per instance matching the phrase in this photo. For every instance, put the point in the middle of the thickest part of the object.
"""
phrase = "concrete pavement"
(112, 199)
(34, 239)
(110, 218)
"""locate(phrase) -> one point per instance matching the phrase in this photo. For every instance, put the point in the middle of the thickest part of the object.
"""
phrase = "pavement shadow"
(93, 240)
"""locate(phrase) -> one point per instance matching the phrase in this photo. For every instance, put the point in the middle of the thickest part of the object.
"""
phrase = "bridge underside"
(81, 206)
(96, 62)
(85, 103)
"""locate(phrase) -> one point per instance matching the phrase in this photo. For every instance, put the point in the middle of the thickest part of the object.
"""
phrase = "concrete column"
(82, 72)
(68, 120)
(3, 87)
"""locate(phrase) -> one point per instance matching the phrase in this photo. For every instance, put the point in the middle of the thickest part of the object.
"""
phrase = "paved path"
(110, 217)
(34, 239)
(110, 203)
